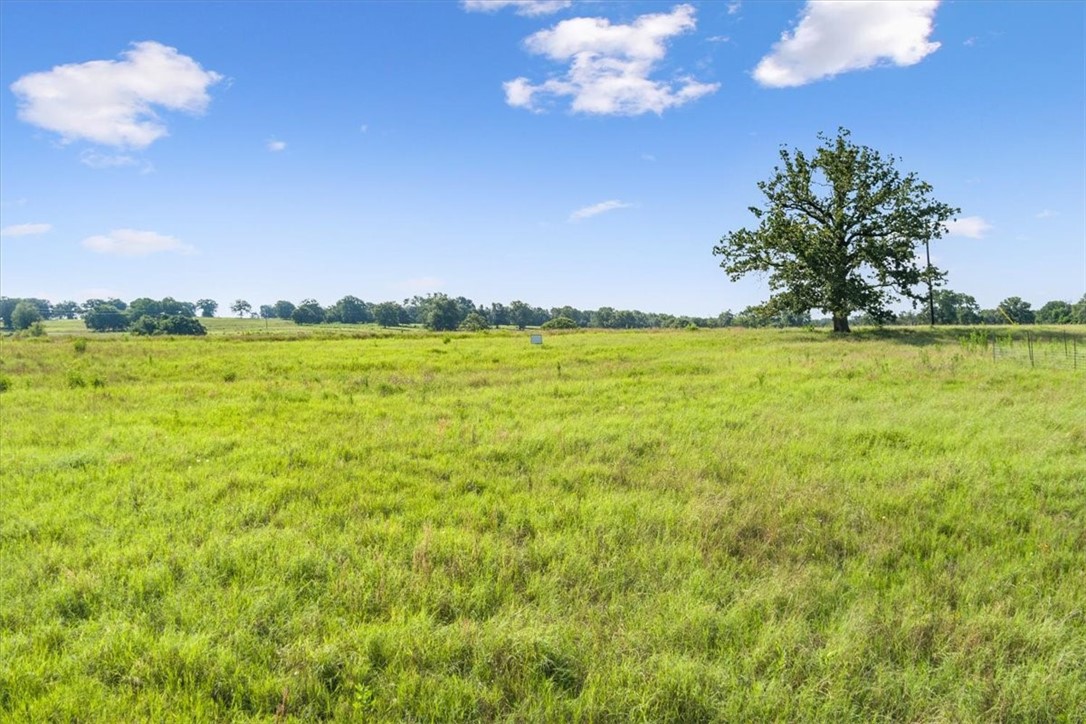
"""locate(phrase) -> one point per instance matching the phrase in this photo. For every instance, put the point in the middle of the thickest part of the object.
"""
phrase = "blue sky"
(577, 153)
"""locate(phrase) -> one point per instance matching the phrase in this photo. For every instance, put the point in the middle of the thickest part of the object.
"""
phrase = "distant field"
(664, 526)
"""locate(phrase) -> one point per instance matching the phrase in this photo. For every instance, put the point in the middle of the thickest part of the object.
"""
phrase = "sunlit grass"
(680, 526)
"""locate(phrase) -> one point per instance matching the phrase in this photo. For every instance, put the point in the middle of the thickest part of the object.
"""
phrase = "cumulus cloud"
(596, 209)
(734, 7)
(112, 102)
(610, 65)
(131, 242)
(529, 8)
(972, 227)
(836, 36)
(25, 229)
(276, 146)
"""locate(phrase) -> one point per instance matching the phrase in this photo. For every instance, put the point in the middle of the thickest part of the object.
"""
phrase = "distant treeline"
(444, 313)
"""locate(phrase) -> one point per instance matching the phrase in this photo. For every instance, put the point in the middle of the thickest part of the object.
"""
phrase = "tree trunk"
(840, 323)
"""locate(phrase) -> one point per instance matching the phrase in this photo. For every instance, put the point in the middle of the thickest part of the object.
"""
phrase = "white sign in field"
(537, 339)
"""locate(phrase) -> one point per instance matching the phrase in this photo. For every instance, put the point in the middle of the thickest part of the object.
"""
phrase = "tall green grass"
(667, 526)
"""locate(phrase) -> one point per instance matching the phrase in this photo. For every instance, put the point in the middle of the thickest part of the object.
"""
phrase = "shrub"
(24, 315)
(178, 324)
(560, 323)
(80, 345)
(474, 322)
(5, 383)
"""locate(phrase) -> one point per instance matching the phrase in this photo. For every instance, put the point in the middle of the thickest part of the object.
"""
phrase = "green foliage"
(79, 345)
(475, 322)
(560, 323)
(853, 247)
(308, 312)
(105, 318)
(284, 309)
(954, 308)
(350, 310)
(388, 314)
(241, 307)
(1055, 312)
(441, 313)
(207, 307)
(174, 324)
(5, 383)
(24, 315)
(1017, 310)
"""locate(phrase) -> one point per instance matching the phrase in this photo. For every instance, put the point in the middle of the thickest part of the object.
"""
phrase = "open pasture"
(665, 526)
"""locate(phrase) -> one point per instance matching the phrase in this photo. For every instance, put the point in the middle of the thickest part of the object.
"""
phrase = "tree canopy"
(839, 232)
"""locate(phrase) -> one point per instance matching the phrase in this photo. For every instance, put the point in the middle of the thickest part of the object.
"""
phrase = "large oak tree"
(841, 231)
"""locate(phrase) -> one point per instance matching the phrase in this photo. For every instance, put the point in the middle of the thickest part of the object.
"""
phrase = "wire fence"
(1059, 350)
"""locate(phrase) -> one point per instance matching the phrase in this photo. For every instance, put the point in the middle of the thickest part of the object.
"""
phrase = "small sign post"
(537, 339)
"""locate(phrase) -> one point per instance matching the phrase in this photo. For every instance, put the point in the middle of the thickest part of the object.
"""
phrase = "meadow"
(714, 525)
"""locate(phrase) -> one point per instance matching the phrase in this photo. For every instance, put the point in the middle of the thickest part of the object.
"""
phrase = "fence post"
(995, 339)
(1029, 346)
(1074, 348)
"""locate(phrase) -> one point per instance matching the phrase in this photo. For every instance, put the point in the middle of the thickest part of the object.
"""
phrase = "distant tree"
(25, 314)
(207, 307)
(66, 310)
(144, 307)
(351, 310)
(388, 314)
(849, 248)
(267, 311)
(992, 316)
(144, 325)
(499, 315)
(520, 314)
(308, 312)
(105, 318)
(1055, 312)
(560, 323)
(725, 318)
(954, 308)
(174, 307)
(1078, 311)
(1018, 310)
(603, 318)
(7, 306)
(474, 322)
(284, 309)
(181, 324)
(241, 307)
(441, 313)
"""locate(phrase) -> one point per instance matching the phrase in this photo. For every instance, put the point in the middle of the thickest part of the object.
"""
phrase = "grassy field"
(664, 526)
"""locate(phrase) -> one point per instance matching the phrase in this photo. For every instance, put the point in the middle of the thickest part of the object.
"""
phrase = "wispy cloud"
(837, 37)
(597, 209)
(734, 7)
(719, 39)
(131, 242)
(112, 102)
(529, 8)
(972, 227)
(276, 146)
(1046, 214)
(25, 230)
(647, 157)
(610, 65)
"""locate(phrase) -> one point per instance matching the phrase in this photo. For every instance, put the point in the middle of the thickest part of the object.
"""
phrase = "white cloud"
(96, 159)
(973, 227)
(276, 146)
(1046, 214)
(25, 229)
(647, 157)
(112, 102)
(596, 209)
(130, 242)
(734, 7)
(719, 39)
(529, 8)
(838, 36)
(610, 65)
